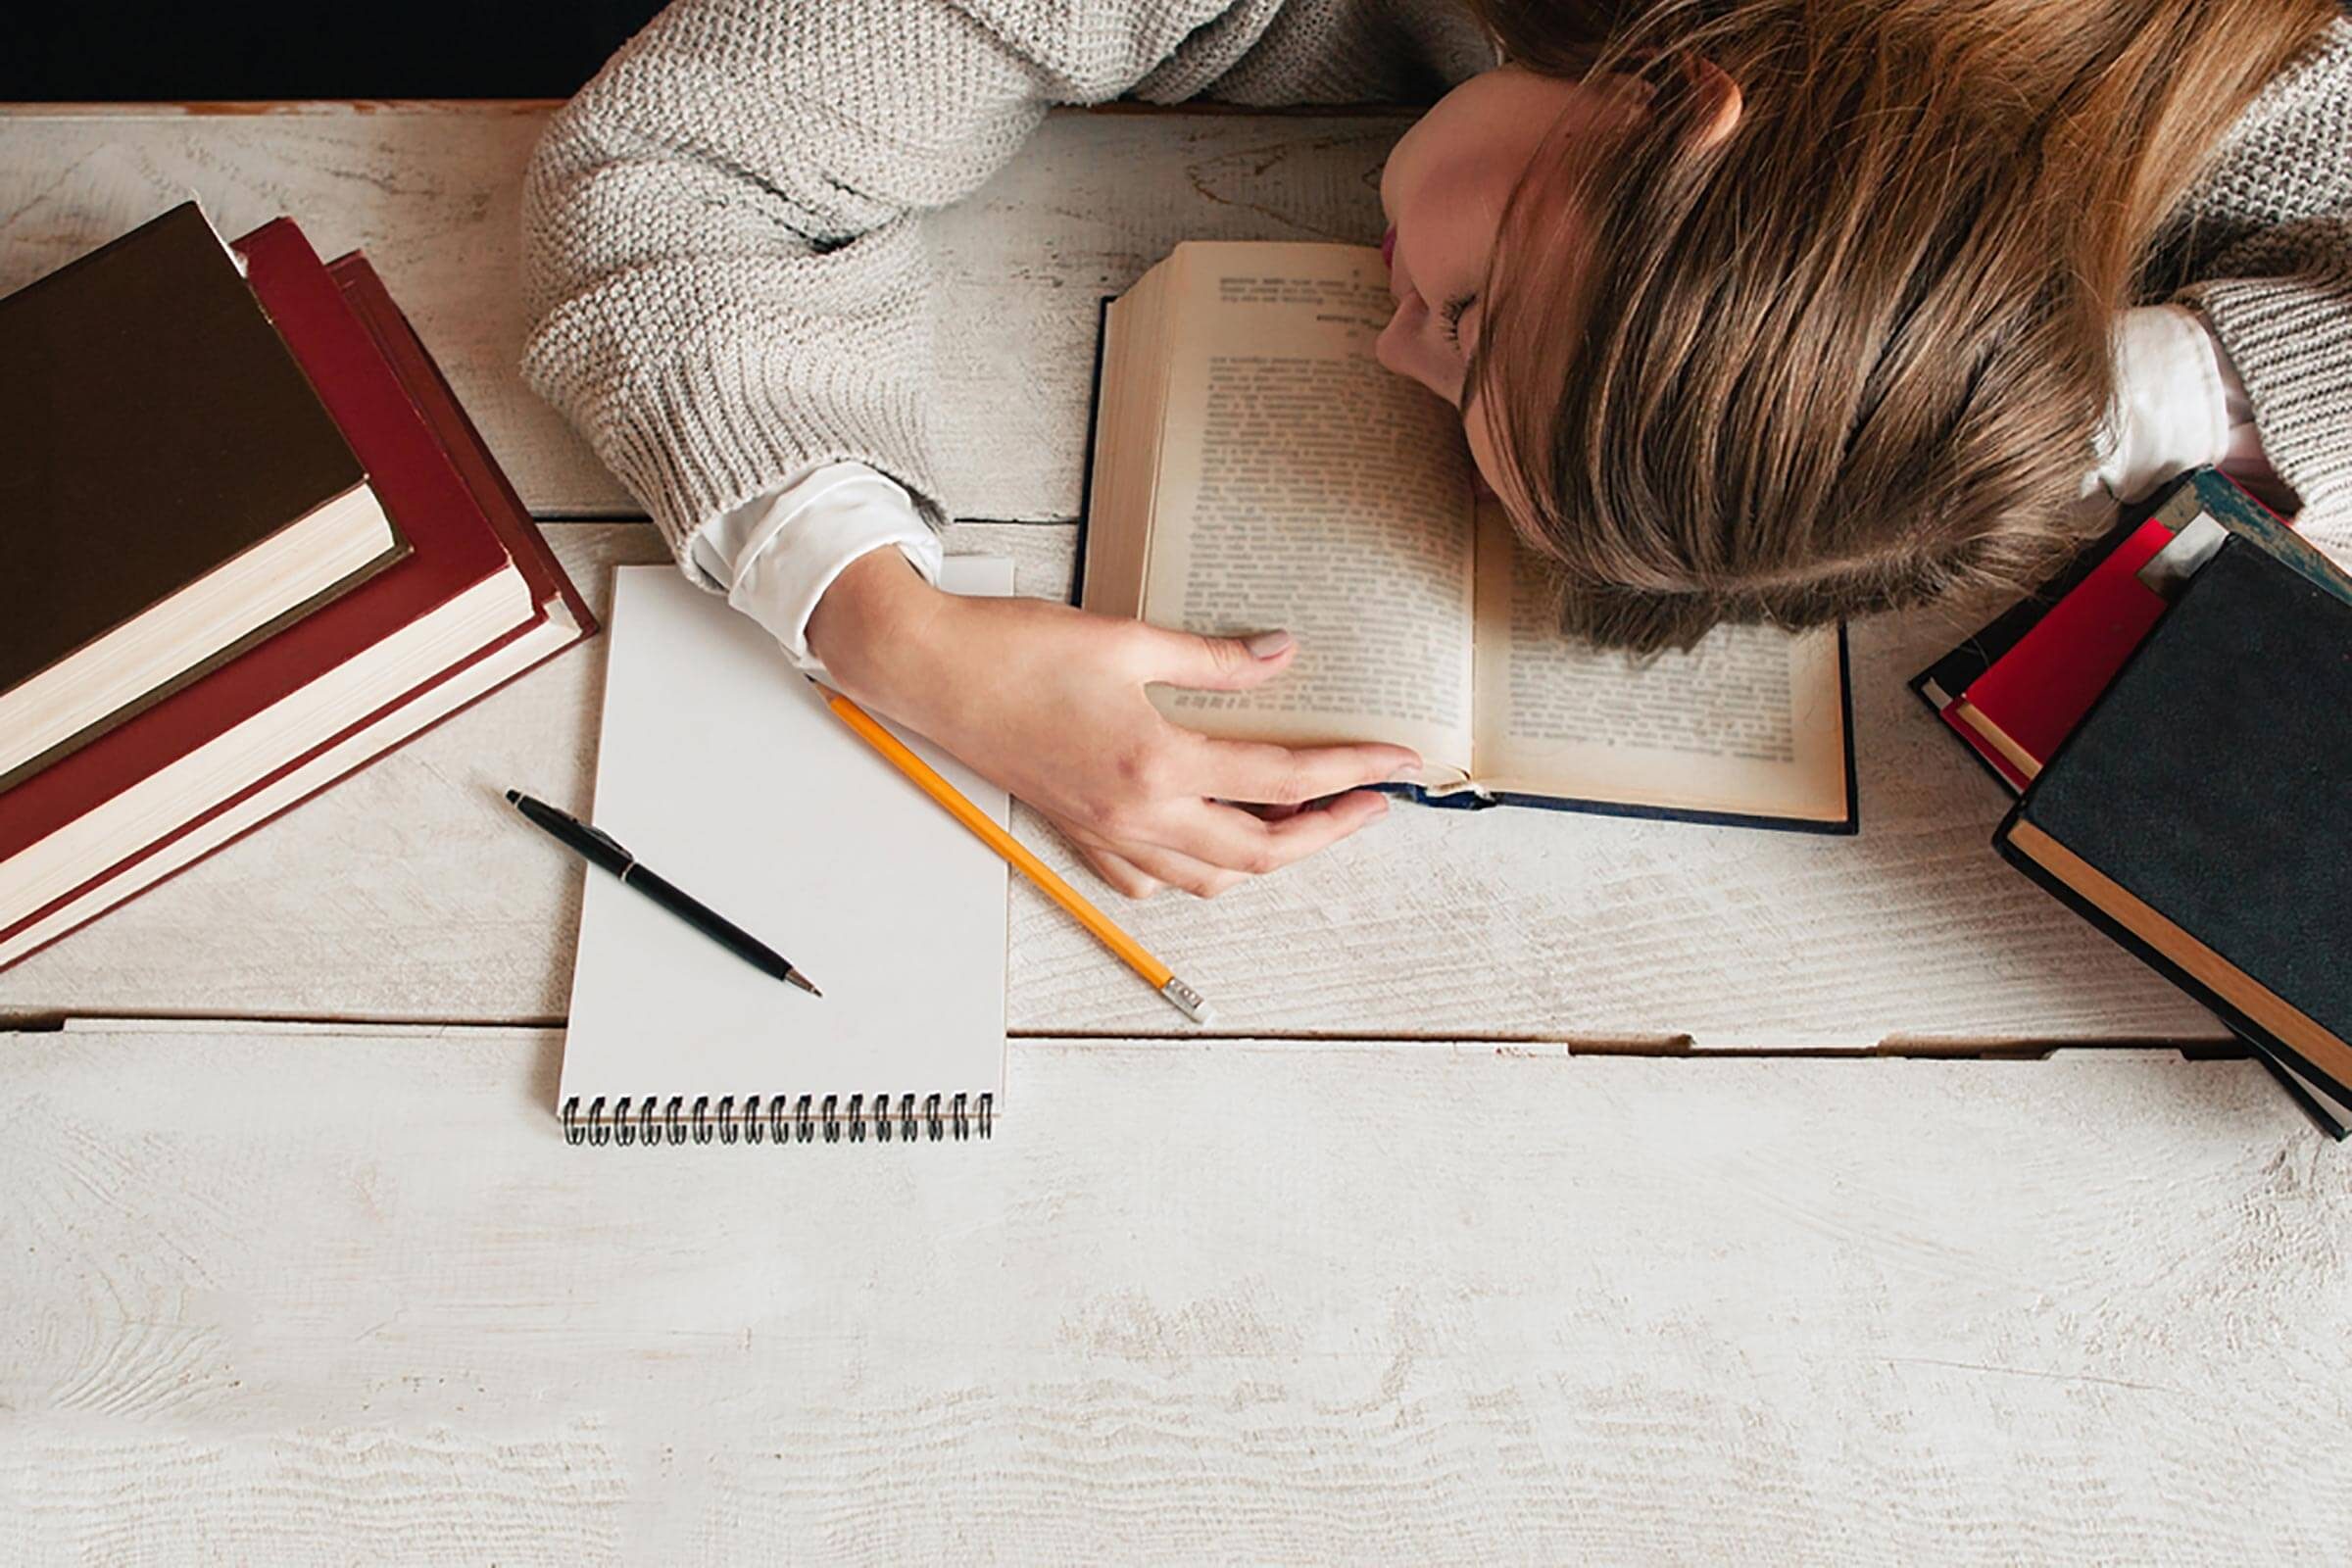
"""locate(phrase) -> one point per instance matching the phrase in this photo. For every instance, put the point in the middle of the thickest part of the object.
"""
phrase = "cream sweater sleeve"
(725, 283)
(2277, 286)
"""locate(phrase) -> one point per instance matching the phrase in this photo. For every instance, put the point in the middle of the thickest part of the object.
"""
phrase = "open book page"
(1304, 488)
(1749, 722)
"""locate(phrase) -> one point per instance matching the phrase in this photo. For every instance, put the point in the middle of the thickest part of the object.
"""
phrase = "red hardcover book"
(2034, 692)
(2032, 697)
(2020, 686)
(437, 477)
(460, 441)
(2083, 663)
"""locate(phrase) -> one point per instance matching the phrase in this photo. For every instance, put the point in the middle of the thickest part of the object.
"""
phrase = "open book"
(1254, 468)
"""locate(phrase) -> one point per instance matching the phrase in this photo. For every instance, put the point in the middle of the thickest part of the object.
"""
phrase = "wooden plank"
(432, 196)
(1238, 1302)
(410, 892)
(407, 893)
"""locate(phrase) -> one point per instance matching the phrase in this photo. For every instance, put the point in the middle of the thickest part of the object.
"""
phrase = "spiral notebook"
(720, 767)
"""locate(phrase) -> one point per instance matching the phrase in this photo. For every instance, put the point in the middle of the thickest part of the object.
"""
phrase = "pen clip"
(604, 838)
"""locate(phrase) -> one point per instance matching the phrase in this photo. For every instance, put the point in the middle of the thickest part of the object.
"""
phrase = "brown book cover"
(448, 485)
(152, 426)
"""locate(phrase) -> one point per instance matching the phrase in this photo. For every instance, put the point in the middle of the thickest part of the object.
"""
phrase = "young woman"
(1755, 310)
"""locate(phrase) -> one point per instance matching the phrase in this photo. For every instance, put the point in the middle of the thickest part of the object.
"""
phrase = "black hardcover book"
(2201, 814)
(2327, 1112)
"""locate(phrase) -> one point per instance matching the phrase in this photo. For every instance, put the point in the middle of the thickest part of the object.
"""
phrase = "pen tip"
(514, 796)
(796, 978)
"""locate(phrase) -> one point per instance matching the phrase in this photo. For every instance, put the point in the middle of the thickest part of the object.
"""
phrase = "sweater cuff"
(2291, 341)
(714, 432)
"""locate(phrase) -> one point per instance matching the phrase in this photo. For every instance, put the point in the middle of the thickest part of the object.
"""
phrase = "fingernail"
(1266, 644)
(1404, 776)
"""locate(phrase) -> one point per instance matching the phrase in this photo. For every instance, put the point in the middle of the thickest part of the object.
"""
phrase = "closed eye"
(1451, 315)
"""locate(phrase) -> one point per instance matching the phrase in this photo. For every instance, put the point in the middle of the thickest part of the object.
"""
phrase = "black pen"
(599, 849)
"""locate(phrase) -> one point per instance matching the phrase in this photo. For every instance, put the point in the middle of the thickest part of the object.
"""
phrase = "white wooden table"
(1556, 1188)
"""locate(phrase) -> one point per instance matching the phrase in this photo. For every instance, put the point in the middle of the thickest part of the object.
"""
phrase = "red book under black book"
(479, 600)
(2017, 689)
(2033, 696)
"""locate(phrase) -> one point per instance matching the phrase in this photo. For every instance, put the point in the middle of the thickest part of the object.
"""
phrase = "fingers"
(1285, 776)
(1224, 846)
(1269, 775)
(1208, 663)
(1116, 869)
(1230, 839)
(1140, 870)
(1168, 868)
(1151, 813)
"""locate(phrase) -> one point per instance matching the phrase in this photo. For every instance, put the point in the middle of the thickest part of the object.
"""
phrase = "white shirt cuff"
(777, 552)
(2171, 408)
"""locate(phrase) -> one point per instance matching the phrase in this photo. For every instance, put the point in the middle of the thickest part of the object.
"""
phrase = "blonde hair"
(1851, 355)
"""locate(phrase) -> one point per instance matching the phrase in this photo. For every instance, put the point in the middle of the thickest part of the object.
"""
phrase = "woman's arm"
(729, 297)
(2276, 286)
(724, 275)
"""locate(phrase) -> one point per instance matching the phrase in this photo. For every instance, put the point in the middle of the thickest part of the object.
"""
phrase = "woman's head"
(1790, 310)
(1445, 187)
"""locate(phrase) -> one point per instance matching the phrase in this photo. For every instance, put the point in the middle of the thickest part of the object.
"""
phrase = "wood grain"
(409, 892)
(433, 197)
(1235, 1302)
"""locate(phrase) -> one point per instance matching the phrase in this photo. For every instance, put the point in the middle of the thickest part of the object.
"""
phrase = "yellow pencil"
(1155, 974)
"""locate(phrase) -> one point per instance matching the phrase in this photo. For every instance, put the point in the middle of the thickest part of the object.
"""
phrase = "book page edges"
(1969, 714)
(2264, 1007)
(1816, 786)
(1120, 501)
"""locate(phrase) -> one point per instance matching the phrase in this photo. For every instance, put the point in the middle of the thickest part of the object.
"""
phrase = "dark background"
(66, 50)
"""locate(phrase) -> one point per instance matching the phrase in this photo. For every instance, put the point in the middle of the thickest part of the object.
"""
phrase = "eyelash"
(1451, 316)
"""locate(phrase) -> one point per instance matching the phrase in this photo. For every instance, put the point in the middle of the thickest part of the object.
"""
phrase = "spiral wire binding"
(648, 1120)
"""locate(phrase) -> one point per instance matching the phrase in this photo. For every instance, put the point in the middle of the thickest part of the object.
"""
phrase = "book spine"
(2246, 1028)
(649, 1119)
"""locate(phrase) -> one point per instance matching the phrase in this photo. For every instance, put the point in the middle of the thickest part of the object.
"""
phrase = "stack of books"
(253, 543)
(2174, 714)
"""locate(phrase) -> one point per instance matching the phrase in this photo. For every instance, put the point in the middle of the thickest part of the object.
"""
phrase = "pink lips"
(1388, 247)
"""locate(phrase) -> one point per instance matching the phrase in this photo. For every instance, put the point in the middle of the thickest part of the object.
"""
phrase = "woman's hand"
(1048, 702)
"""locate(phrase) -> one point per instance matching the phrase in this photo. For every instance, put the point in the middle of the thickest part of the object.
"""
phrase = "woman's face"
(1443, 191)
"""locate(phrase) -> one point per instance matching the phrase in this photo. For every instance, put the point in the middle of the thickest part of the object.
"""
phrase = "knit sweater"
(728, 283)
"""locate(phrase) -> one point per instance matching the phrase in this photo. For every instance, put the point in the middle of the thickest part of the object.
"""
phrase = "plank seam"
(1679, 1047)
